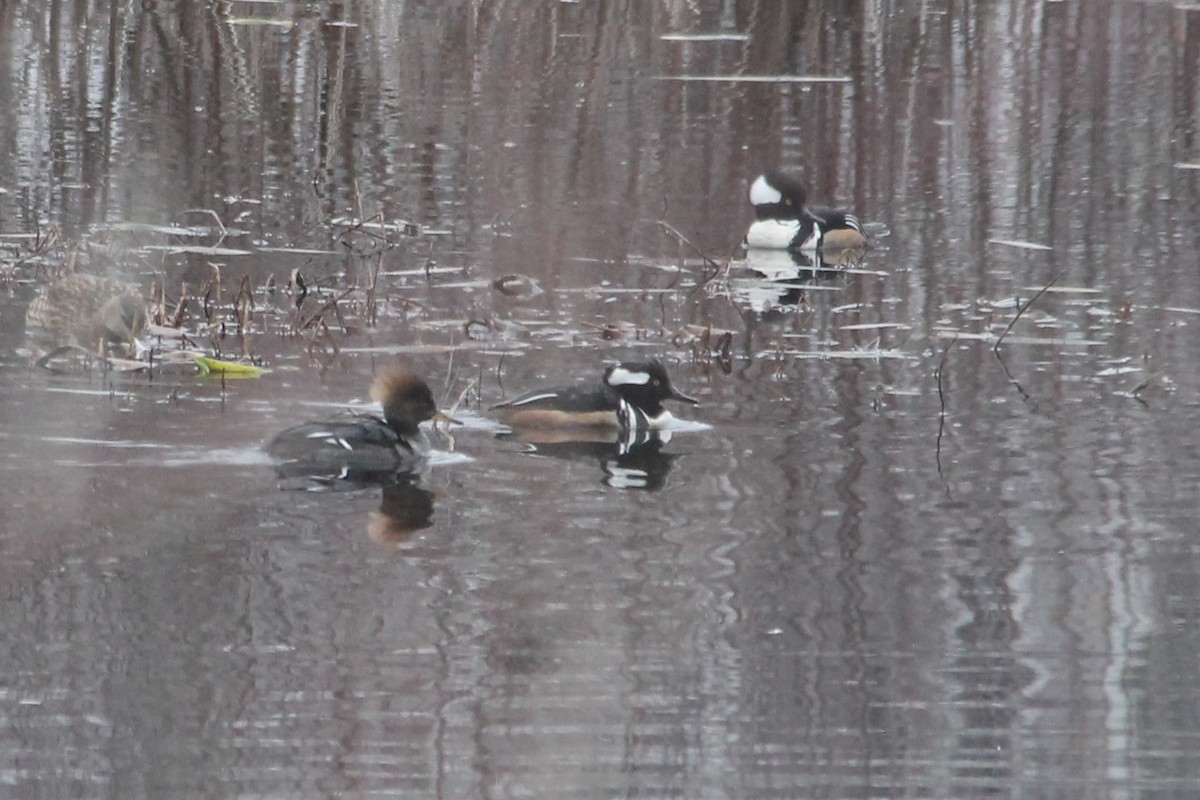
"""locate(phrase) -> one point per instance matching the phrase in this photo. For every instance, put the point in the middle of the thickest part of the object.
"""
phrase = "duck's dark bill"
(678, 395)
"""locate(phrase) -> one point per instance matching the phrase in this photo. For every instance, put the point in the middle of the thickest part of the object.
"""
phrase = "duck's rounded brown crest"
(393, 383)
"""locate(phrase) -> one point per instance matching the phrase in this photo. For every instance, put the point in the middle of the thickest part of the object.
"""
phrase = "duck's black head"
(645, 385)
(776, 195)
(406, 399)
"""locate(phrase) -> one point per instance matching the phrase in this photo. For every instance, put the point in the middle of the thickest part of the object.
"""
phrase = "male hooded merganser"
(363, 445)
(88, 311)
(783, 220)
(628, 398)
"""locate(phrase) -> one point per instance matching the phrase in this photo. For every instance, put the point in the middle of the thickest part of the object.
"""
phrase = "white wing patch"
(329, 437)
(624, 377)
(763, 193)
(533, 398)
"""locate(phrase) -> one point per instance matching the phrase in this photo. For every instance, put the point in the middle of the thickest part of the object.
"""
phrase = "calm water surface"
(895, 564)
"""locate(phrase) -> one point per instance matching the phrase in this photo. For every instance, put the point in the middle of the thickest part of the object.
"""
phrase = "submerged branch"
(1020, 311)
(681, 239)
(941, 369)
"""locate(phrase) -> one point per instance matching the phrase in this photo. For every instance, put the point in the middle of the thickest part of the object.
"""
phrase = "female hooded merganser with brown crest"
(628, 398)
(364, 445)
(784, 221)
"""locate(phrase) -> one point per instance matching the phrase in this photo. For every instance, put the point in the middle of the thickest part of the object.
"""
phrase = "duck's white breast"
(772, 234)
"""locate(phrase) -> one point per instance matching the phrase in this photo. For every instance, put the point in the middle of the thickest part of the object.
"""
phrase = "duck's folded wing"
(569, 399)
(345, 434)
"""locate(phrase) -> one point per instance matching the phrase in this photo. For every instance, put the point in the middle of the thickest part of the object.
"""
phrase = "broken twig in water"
(941, 369)
(681, 239)
(1008, 374)
(1020, 311)
(449, 437)
(461, 396)
(222, 231)
(331, 303)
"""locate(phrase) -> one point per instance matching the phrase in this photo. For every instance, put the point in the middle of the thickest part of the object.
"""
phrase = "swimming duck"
(361, 446)
(629, 396)
(784, 221)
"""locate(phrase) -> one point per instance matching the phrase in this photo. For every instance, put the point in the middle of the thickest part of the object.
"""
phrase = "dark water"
(897, 564)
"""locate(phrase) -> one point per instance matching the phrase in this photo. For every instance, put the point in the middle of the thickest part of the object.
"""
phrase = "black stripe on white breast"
(632, 419)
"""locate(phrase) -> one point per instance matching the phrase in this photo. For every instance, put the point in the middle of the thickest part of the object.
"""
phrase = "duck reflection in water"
(356, 451)
(781, 277)
(404, 509)
(405, 506)
(790, 265)
(628, 459)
